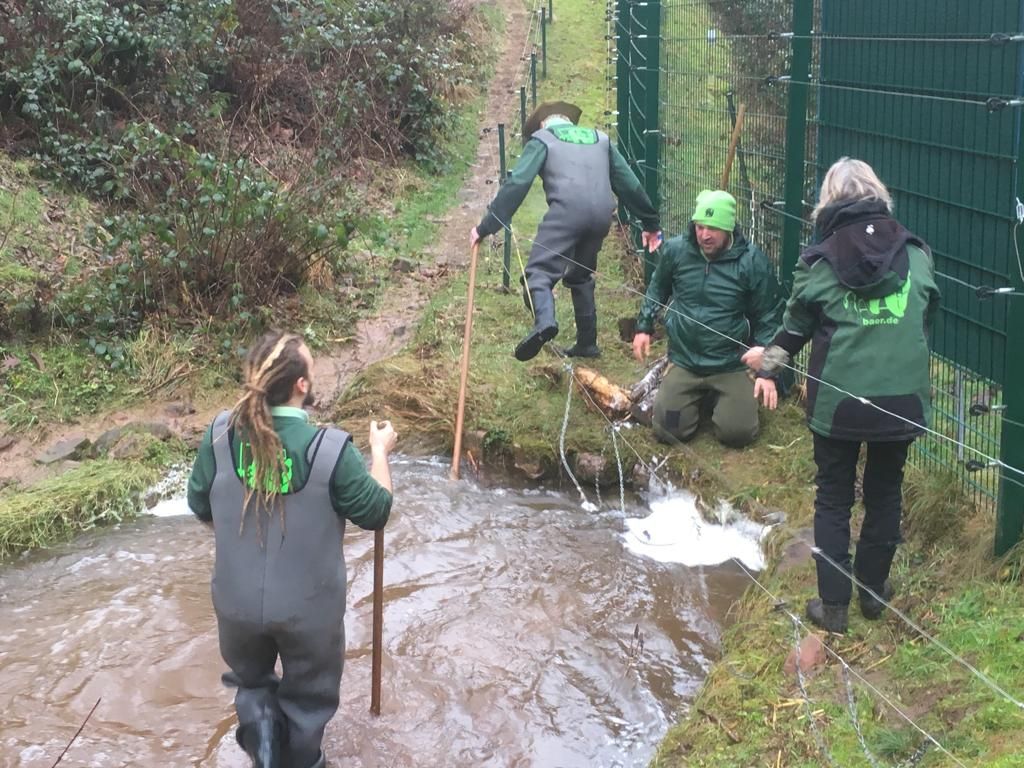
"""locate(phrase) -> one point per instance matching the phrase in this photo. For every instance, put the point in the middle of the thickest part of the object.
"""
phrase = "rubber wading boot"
(321, 761)
(871, 608)
(262, 741)
(586, 338)
(585, 311)
(828, 616)
(545, 328)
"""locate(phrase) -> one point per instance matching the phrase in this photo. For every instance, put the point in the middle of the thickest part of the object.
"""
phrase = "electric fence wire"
(781, 606)
(984, 678)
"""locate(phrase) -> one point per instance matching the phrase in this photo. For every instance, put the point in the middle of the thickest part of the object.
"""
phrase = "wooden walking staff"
(466, 334)
(733, 143)
(378, 621)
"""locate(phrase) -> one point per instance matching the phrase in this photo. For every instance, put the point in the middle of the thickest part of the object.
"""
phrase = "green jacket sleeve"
(201, 480)
(356, 495)
(659, 290)
(514, 190)
(630, 191)
(764, 305)
(800, 319)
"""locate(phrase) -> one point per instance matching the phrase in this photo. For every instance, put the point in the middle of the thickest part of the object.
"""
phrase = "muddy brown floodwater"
(508, 625)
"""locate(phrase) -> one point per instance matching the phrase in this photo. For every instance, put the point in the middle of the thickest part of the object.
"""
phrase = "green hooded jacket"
(716, 303)
(865, 297)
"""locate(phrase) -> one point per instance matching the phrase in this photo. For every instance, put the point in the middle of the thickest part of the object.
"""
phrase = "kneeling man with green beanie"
(721, 293)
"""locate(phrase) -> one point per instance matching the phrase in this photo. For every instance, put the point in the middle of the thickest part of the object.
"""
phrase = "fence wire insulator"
(973, 465)
(997, 104)
(1002, 38)
(780, 35)
(982, 409)
(987, 291)
(774, 79)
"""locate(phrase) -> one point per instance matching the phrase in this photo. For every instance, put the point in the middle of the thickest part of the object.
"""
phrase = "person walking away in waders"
(865, 297)
(278, 491)
(723, 295)
(582, 172)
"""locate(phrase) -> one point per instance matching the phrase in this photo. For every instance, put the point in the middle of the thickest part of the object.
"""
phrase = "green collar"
(288, 412)
(555, 120)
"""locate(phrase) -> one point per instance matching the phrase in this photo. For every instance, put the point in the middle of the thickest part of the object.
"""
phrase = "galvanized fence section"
(930, 94)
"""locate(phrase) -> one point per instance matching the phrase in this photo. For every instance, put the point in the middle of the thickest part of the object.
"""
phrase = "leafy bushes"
(220, 133)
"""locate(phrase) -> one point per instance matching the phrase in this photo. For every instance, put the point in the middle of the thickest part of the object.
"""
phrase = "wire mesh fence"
(929, 94)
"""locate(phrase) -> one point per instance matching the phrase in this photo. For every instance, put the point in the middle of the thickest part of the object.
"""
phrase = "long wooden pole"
(466, 334)
(733, 143)
(378, 621)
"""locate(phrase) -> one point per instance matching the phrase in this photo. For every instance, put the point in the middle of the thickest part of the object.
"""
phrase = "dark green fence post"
(533, 79)
(551, 10)
(651, 125)
(544, 41)
(502, 173)
(796, 136)
(1010, 513)
(620, 31)
(522, 112)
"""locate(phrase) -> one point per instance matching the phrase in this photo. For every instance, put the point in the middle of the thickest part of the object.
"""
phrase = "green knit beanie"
(715, 209)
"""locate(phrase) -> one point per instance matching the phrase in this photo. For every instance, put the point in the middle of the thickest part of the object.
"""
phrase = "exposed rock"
(797, 551)
(73, 448)
(132, 446)
(110, 438)
(641, 476)
(593, 468)
(811, 658)
(6, 442)
(532, 468)
(402, 264)
(180, 408)
(776, 517)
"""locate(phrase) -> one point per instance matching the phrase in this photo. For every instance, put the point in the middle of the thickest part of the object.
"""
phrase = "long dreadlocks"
(271, 368)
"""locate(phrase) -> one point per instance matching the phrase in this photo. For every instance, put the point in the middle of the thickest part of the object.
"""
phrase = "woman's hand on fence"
(753, 358)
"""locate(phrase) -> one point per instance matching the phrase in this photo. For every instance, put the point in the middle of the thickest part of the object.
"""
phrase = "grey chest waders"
(279, 590)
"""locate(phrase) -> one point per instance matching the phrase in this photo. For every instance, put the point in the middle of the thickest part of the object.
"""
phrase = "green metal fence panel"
(715, 57)
(905, 89)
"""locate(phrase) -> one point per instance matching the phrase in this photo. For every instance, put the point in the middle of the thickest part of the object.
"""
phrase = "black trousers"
(883, 508)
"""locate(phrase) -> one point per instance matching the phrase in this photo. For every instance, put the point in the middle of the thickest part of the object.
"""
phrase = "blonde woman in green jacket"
(864, 296)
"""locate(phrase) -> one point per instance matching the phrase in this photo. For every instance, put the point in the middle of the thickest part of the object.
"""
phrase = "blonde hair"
(271, 368)
(850, 180)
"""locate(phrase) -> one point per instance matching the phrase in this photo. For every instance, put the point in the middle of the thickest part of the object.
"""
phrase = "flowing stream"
(511, 628)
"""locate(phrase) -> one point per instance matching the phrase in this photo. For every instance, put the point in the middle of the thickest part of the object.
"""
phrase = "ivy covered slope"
(176, 177)
(189, 168)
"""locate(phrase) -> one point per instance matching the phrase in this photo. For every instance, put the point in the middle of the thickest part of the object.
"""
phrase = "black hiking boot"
(545, 326)
(586, 338)
(530, 346)
(262, 741)
(830, 617)
(871, 608)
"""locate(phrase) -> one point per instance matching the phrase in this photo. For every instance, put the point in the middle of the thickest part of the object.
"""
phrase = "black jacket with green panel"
(865, 297)
(576, 181)
(717, 304)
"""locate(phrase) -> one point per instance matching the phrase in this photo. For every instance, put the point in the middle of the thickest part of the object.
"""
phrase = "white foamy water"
(675, 532)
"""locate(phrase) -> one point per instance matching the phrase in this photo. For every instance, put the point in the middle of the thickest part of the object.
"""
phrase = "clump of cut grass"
(94, 494)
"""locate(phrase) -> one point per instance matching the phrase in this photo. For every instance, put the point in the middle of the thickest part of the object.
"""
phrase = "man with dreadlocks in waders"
(582, 173)
(277, 491)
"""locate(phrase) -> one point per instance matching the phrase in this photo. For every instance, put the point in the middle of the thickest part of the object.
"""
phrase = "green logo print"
(573, 134)
(888, 310)
(247, 471)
